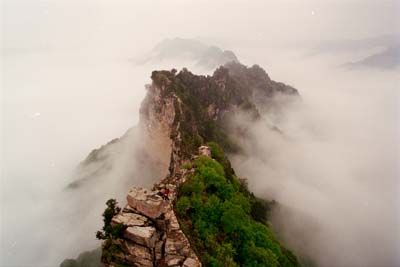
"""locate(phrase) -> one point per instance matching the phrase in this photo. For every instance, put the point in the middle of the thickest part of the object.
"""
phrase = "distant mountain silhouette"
(356, 44)
(202, 55)
(387, 59)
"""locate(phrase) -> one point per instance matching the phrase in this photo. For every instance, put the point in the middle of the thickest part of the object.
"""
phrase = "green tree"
(109, 230)
(217, 214)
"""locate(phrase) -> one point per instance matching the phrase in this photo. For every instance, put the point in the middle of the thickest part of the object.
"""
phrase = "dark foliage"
(110, 232)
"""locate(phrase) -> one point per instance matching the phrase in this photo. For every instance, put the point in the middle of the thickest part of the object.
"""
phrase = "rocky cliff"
(185, 111)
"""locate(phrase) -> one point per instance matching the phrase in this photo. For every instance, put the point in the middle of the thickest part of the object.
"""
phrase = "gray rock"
(138, 255)
(130, 219)
(173, 221)
(170, 247)
(174, 260)
(147, 202)
(153, 234)
(146, 236)
(189, 262)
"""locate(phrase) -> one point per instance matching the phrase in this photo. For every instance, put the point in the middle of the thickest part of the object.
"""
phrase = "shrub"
(221, 225)
(109, 230)
(182, 205)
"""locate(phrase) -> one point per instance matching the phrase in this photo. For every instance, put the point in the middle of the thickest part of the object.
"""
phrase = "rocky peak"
(188, 111)
(194, 109)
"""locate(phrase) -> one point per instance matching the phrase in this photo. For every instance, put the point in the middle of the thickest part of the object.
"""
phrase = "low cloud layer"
(69, 86)
(333, 168)
(63, 221)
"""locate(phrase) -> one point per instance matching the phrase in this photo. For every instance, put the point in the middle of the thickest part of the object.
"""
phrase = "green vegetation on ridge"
(198, 94)
(224, 222)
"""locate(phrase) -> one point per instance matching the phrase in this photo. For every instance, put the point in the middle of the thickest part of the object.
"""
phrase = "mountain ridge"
(188, 111)
(193, 110)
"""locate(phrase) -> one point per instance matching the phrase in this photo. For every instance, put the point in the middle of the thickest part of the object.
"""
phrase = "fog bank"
(70, 85)
(334, 168)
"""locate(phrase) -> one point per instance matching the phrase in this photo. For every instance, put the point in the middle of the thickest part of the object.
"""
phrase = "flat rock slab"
(145, 235)
(130, 219)
(147, 202)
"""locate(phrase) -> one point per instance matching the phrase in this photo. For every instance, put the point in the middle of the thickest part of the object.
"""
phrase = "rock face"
(138, 255)
(130, 219)
(149, 203)
(153, 236)
(188, 110)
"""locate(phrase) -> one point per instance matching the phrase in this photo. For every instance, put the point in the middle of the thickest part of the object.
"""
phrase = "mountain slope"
(226, 224)
(192, 111)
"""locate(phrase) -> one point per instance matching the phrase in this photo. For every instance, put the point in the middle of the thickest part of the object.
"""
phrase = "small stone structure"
(205, 151)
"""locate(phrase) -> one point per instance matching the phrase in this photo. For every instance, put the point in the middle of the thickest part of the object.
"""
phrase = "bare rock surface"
(205, 151)
(139, 255)
(147, 202)
(145, 235)
(190, 262)
(153, 236)
(130, 219)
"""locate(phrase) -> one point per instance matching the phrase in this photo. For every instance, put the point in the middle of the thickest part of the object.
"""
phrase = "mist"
(333, 168)
(70, 85)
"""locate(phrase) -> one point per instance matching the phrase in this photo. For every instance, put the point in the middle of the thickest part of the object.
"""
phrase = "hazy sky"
(69, 84)
(33, 26)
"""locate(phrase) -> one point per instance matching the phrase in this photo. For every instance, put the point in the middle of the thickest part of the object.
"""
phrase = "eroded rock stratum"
(152, 236)
(182, 112)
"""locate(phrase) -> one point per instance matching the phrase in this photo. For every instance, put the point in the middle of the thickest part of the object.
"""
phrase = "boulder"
(174, 260)
(129, 219)
(153, 234)
(147, 202)
(190, 262)
(146, 236)
(138, 255)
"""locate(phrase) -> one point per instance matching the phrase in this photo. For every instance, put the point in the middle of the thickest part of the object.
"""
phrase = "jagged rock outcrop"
(188, 111)
(192, 109)
(152, 235)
